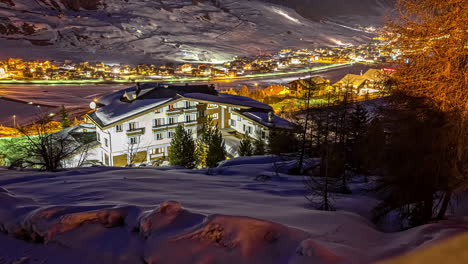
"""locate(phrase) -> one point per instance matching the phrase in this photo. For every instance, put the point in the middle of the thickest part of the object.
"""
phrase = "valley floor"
(170, 215)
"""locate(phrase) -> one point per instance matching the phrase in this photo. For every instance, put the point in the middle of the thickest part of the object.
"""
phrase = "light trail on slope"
(348, 27)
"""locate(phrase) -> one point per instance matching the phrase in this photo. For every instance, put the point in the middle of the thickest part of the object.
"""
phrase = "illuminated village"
(285, 60)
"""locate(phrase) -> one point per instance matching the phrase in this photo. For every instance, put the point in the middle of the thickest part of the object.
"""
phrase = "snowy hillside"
(184, 30)
(147, 215)
(364, 12)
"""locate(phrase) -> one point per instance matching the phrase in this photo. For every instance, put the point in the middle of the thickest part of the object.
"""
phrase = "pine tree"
(201, 153)
(245, 146)
(358, 125)
(320, 188)
(65, 122)
(182, 151)
(216, 148)
(373, 148)
(210, 147)
(282, 141)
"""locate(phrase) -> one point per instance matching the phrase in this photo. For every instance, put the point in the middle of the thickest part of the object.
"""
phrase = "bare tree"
(45, 150)
(133, 151)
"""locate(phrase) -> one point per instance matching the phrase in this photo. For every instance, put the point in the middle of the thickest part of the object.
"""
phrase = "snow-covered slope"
(364, 12)
(184, 30)
(147, 215)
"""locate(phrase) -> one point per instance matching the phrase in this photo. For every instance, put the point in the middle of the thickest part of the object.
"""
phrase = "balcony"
(190, 123)
(135, 131)
(166, 126)
(174, 111)
(190, 109)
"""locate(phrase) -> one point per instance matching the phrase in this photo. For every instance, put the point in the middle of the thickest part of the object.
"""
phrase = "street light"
(14, 121)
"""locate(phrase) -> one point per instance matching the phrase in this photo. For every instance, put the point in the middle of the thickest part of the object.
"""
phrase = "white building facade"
(136, 125)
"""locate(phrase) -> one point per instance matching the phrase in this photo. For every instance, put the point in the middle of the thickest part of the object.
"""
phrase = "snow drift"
(149, 215)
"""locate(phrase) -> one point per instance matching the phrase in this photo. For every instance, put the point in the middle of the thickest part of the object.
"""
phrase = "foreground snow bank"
(168, 234)
(147, 215)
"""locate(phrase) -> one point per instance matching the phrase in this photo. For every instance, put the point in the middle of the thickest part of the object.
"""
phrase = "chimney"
(270, 117)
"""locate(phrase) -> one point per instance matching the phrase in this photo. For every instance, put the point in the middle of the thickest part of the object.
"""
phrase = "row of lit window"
(158, 122)
(157, 136)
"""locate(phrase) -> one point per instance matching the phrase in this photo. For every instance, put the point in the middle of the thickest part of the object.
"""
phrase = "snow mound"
(173, 234)
(169, 216)
(230, 239)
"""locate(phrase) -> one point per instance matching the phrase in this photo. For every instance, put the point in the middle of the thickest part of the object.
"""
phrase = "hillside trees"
(244, 91)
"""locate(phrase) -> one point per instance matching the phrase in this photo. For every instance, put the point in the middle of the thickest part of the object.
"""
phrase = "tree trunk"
(444, 206)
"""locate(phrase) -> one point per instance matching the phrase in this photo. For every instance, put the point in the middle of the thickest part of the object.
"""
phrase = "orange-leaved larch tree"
(431, 106)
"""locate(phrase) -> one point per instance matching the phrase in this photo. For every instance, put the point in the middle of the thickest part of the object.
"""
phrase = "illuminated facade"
(135, 125)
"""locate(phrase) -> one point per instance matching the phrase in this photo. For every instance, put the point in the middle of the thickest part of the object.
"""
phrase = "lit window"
(170, 107)
(118, 128)
(213, 116)
(157, 151)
